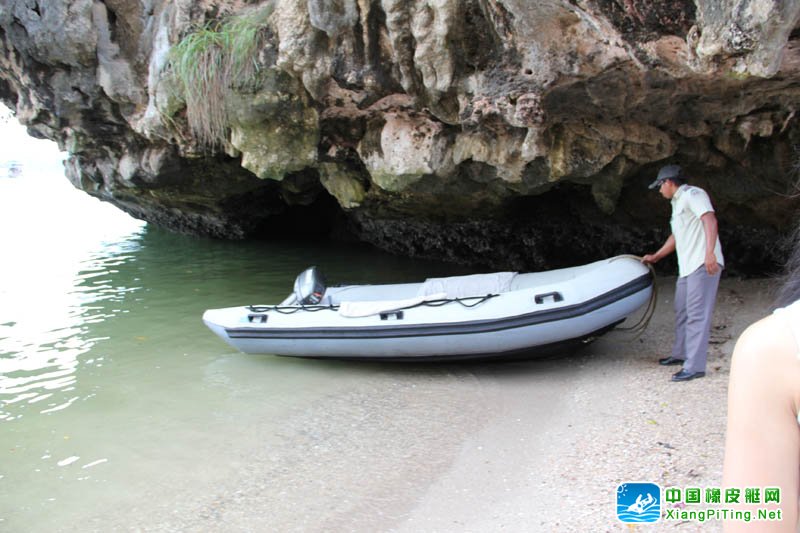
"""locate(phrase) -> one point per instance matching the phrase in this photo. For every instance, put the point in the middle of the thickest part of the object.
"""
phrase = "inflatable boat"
(497, 315)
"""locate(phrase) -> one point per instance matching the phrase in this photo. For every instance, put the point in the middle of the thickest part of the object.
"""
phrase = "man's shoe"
(683, 375)
(670, 361)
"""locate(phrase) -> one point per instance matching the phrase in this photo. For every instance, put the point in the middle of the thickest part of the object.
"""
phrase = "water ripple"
(56, 296)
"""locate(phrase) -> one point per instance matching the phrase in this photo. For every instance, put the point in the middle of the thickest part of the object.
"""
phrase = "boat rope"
(638, 329)
(468, 301)
(291, 309)
(438, 303)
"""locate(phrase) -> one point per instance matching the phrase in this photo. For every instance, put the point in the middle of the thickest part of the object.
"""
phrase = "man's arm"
(665, 250)
(712, 231)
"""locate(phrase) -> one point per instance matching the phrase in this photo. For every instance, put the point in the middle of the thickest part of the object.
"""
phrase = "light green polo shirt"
(688, 205)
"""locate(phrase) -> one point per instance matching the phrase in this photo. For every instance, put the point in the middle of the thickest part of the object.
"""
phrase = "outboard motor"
(309, 287)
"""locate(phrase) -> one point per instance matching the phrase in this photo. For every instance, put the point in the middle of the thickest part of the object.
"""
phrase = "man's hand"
(712, 267)
(664, 251)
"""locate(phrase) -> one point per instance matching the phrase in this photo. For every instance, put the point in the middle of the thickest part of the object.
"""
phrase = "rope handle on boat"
(291, 309)
(638, 329)
(439, 303)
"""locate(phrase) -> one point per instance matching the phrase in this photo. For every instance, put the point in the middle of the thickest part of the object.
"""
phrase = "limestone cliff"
(501, 132)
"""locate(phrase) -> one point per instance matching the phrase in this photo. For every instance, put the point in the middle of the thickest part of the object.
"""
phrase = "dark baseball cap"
(666, 172)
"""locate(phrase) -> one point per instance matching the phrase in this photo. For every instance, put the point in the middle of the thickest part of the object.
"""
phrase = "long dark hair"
(789, 291)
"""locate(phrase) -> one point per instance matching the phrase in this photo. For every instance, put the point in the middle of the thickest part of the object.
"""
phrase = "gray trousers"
(695, 295)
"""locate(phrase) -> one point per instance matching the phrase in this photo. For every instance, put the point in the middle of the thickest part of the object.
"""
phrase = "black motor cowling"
(309, 287)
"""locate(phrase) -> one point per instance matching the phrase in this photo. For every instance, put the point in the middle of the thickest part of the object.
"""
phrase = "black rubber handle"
(556, 296)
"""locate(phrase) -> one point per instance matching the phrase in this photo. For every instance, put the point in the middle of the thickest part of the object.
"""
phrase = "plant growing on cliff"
(212, 60)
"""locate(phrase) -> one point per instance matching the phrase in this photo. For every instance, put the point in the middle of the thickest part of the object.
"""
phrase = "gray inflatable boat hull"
(537, 313)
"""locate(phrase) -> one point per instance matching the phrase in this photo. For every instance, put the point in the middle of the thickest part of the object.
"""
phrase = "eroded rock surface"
(498, 132)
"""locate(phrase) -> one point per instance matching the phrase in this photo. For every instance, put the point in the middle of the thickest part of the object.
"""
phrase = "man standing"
(695, 238)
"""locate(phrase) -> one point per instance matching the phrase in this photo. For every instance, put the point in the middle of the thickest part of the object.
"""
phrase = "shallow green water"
(114, 397)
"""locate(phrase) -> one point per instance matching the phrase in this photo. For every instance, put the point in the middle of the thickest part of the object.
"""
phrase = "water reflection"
(45, 325)
(53, 288)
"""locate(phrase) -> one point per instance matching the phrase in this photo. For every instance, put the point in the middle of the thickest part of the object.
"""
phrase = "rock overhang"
(470, 130)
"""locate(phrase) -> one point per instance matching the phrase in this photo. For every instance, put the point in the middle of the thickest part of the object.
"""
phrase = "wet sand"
(524, 446)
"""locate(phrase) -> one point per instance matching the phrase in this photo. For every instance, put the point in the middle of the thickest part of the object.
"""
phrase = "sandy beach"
(523, 446)
(569, 432)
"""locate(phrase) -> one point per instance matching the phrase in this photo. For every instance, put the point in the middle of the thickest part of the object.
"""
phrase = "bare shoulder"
(769, 339)
(765, 364)
(772, 331)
